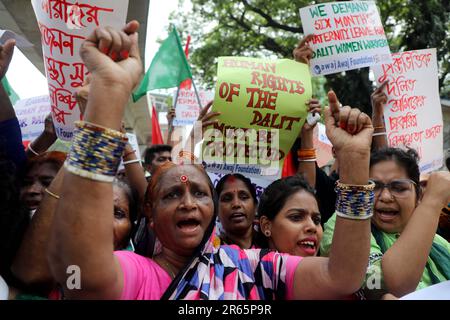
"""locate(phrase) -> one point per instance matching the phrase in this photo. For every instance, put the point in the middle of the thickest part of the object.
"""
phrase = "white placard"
(64, 25)
(323, 145)
(187, 108)
(440, 291)
(260, 183)
(31, 114)
(4, 290)
(347, 35)
(413, 114)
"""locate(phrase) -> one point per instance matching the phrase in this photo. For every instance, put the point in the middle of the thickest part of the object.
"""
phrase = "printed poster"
(347, 35)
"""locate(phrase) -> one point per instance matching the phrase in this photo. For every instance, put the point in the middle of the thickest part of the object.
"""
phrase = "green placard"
(261, 94)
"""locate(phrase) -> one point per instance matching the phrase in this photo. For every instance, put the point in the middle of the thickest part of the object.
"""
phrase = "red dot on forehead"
(184, 178)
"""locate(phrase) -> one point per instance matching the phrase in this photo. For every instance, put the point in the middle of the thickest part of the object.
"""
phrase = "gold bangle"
(356, 187)
(96, 127)
(52, 194)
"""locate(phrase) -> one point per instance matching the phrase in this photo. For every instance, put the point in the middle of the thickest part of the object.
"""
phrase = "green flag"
(10, 92)
(168, 69)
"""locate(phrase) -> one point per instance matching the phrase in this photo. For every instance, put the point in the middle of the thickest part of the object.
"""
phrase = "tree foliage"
(262, 28)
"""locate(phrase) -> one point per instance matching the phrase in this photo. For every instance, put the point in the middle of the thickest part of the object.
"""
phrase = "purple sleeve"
(11, 142)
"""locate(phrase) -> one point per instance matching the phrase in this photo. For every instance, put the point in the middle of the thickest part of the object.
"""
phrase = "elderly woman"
(403, 228)
(181, 207)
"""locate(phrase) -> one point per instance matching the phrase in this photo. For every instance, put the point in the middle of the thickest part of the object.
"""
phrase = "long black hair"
(274, 198)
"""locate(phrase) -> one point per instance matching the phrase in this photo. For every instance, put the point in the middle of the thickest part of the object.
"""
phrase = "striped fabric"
(230, 273)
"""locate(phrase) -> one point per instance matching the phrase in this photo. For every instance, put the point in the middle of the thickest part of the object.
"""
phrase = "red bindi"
(184, 179)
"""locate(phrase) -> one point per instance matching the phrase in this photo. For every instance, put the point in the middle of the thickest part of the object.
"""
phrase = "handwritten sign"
(64, 25)
(187, 108)
(262, 105)
(31, 114)
(347, 35)
(413, 115)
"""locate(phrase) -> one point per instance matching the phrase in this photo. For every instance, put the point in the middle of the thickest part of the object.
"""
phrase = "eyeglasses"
(398, 188)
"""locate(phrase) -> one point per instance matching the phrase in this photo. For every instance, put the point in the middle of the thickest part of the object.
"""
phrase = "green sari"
(437, 268)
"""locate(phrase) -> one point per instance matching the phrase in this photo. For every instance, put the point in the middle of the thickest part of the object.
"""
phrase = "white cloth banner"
(64, 25)
(260, 183)
(187, 108)
(413, 114)
(31, 114)
(347, 35)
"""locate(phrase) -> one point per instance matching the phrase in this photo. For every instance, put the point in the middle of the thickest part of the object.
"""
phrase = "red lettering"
(228, 91)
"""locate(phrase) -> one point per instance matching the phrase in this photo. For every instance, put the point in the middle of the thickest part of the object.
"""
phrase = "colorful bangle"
(96, 152)
(88, 174)
(356, 187)
(306, 153)
(355, 201)
(99, 128)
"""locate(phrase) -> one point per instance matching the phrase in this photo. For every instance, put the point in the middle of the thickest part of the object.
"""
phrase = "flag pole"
(149, 105)
(196, 94)
(176, 97)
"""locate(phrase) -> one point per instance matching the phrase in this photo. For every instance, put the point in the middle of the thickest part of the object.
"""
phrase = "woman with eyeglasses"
(406, 253)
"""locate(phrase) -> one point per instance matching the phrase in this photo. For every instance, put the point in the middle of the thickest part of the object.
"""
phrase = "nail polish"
(124, 54)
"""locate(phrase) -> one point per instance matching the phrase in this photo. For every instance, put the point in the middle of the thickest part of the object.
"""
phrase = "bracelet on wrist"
(306, 154)
(95, 152)
(128, 153)
(32, 151)
(355, 201)
(307, 160)
(131, 161)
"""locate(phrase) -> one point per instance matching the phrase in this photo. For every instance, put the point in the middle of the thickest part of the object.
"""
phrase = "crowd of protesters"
(162, 230)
